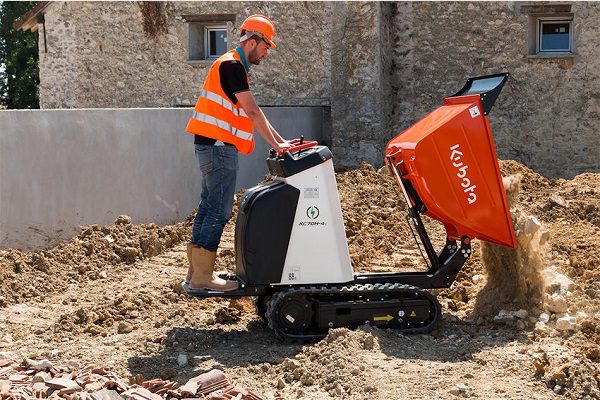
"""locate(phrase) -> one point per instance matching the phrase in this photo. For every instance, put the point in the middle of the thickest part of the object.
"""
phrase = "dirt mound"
(533, 185)
(572, 200)
(335, 364)
(121, 283)
(379, 237)
(575, 373)
(88, 256)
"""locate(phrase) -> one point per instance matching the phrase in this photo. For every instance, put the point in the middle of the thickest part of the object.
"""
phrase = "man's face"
(259, 52)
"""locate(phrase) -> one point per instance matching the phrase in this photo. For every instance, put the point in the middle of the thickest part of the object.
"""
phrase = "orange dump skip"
(450, 159)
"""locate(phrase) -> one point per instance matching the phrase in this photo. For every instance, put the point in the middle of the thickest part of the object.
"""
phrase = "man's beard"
(253, 57)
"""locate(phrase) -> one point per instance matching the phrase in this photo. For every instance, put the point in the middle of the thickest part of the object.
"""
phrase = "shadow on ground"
(224, 348)
(218, 347)
(452, 341)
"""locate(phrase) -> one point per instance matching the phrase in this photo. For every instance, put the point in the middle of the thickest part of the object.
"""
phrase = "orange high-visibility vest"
(216, 117)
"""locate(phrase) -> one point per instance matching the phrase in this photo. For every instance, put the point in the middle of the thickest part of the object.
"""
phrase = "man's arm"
(276, 134)
(261, 124)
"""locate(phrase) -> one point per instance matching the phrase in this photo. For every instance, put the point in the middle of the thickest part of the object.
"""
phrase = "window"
(207, 35)
(549, 31)
(554, 36)
(215, 41)
(206, 41)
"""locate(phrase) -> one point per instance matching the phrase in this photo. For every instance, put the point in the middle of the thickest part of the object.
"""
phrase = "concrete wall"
(64, 168)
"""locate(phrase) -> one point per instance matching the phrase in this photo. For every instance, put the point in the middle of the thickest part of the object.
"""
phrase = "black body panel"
(336, 314)
(299, 161)
(262, 232)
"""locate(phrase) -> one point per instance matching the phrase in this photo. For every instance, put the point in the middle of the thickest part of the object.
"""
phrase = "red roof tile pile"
(40, 379)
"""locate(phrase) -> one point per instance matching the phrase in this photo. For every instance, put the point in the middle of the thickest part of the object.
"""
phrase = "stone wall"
(98, 55)
(548, 115)
(356, 94)
(380, 66)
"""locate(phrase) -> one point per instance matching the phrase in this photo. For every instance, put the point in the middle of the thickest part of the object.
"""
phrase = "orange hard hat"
(260, 24)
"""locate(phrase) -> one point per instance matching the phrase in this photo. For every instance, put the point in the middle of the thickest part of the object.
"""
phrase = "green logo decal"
(312, 212)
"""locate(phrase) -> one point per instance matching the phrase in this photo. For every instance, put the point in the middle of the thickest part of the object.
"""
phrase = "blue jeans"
(218, 165)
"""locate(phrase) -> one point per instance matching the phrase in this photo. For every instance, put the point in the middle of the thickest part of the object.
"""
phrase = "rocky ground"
(517, 324)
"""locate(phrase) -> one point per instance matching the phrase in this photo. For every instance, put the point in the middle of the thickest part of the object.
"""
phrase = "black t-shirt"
(233, 80)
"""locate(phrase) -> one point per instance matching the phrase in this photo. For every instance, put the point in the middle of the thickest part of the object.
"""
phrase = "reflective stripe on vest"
(217, 117)
(222, 125)
(207, 94)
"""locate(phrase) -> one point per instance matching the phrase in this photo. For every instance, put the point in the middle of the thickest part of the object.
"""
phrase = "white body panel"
(318, 249)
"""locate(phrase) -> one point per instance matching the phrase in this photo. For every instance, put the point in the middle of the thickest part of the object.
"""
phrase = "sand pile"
(88, 256)
(336, 364)
(110, 292)
(379, 237)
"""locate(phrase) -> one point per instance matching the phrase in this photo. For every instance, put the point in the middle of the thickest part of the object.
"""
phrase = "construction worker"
(223, 122)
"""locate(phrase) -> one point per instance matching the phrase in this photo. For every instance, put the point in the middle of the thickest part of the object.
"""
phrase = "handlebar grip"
(298, 145)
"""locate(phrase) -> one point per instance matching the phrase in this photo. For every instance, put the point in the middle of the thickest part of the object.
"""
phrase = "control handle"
(297, 145)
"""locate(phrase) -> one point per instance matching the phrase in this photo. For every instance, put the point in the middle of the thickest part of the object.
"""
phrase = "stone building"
(374, 67)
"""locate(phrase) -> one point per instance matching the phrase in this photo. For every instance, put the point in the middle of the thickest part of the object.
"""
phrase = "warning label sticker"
(474, 111)
(311, 193)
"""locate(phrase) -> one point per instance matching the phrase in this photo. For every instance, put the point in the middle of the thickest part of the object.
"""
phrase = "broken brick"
(6, 370)
(41, 377)
(141, 393)
(18, 378)
(106, 394)
(93, 387)
(5, 388)
(190, 388)
(62, 383)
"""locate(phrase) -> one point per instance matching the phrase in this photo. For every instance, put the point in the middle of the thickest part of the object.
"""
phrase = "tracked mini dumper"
(290, 242)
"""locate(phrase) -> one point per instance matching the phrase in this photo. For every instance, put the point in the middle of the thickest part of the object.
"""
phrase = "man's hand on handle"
(283, 146)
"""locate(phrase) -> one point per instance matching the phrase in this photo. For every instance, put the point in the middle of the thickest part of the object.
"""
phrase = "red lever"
(297, 145)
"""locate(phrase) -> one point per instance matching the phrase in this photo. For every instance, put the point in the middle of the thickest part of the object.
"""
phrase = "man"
(223, 122)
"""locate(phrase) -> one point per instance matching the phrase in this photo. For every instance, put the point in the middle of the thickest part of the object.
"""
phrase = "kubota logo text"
(456, 157)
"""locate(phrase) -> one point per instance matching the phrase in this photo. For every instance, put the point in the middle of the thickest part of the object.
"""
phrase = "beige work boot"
(203, 277)
(190, 265)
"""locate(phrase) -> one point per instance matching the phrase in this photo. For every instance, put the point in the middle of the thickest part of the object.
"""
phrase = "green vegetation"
(19, 72)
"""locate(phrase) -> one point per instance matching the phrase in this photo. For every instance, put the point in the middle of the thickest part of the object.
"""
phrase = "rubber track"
(388, 289)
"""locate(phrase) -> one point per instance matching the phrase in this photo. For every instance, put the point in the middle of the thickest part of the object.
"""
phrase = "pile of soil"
(337, 367)
(121, 283)
(379, 235)
(88, 256)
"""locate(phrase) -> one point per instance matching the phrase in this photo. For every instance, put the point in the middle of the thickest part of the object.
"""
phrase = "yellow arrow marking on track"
(387, 318)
